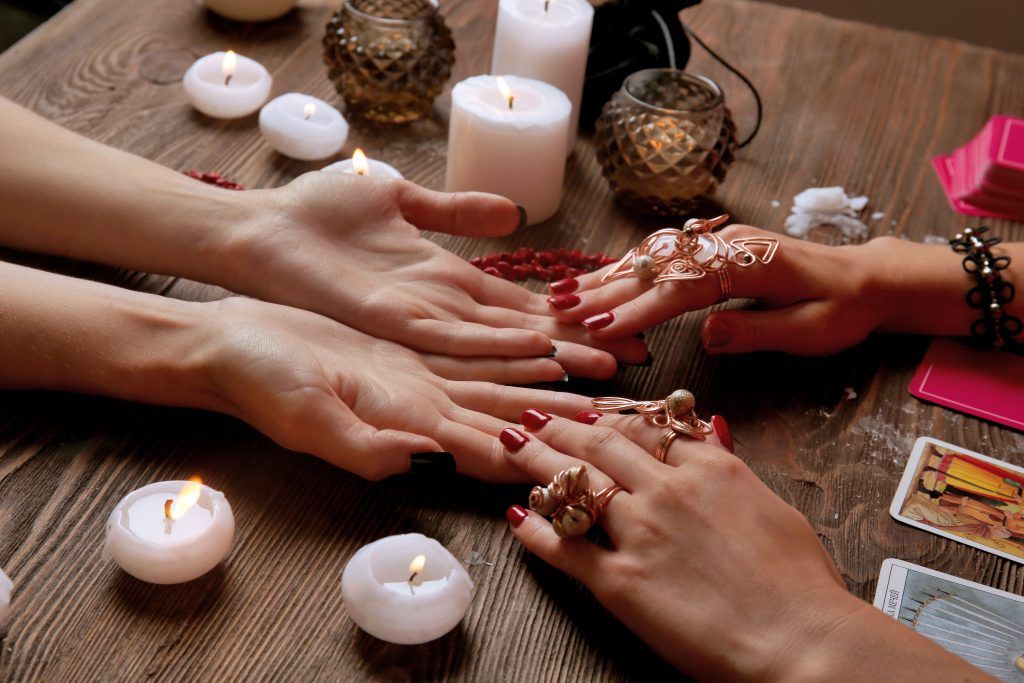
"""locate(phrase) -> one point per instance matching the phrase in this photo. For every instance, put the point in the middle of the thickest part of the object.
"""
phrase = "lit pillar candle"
(406, 589)
(547, 40)
(6, 586)
(226, 85)
(507, 136)
(359, 164)
(303, 127)
(171, 531)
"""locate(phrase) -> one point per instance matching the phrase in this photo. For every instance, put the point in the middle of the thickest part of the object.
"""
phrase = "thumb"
(804, 329)
(473, 214)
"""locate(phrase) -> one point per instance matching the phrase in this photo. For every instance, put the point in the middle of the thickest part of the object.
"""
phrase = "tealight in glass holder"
(389, 59)
(665, 140)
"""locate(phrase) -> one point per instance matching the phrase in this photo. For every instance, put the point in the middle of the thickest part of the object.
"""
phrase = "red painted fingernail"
(516, 515)
(587, 417)
(534, 419)
(564, 301)
(566, 286)
(596, 322)
(722, 430)
(512, 439)
(715, 333)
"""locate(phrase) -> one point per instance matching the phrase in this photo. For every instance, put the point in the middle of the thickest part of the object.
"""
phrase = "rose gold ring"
(570, 502)
(676, 415)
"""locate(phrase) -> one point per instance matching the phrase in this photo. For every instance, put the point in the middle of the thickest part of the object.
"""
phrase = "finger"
(508, 403)
(598, 300)
(477, 454)
(577, 557)
(474, 339)
(654, 306)
(805, 329)
(498, 292)
(497, 370)
(648, 436)
(475, 214)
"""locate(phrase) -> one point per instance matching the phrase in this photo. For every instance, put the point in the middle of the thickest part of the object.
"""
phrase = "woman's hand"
(812, 299)
(350, 248)
(708, 566)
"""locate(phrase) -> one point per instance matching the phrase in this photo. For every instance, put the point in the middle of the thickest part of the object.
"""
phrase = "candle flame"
(506, 91)
(229, 65)
(188, 497)
(362, 167)
(309, 110)
(416, 566)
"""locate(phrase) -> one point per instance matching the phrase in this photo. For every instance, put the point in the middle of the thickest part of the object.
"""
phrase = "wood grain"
(846, 104)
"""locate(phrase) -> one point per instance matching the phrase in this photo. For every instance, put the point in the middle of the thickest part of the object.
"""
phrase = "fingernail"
(554, 351)
(564, 301)
(587, 417)
(516, 515)
(721, 428)
(534, 419)
(512, 439)
(522, 218)
(596, 322)
(432, 463)
(715, 333)
(566, 286)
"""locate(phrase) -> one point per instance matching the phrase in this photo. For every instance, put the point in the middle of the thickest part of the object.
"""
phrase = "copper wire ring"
(570, 502)
(675, 414)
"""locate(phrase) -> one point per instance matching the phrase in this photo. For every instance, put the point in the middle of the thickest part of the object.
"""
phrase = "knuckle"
(600, 438)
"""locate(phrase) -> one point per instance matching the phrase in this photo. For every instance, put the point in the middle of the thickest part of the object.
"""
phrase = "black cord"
(730, 67)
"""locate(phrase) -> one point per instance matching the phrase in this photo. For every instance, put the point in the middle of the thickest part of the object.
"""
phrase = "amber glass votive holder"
(665, 141)
(388, 59)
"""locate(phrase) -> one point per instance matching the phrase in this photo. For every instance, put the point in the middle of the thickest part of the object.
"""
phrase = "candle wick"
(307, 116)
(546, 3)
(227, 80)
(414, 575)
(511, 99)
(167, 507)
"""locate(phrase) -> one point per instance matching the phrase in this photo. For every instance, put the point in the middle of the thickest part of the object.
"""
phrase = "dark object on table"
(630, 35)
(996, 329)
(389, 59)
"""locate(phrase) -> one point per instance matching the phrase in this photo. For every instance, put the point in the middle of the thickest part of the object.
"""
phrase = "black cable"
(730, 67)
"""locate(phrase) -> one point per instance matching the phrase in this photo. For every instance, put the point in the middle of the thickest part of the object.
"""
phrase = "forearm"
(69, 196)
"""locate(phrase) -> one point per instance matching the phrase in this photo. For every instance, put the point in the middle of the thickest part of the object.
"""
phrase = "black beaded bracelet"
(995, 329)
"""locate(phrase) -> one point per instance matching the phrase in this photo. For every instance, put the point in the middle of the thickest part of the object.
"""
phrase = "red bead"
(491, 270)
(505, 268)
(476, 261)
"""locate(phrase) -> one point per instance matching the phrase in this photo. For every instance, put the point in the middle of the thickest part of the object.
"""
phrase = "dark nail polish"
(596, 322)
(516, 515)
(554, 351)
(587, 417)
(566, 286)
(522, 218)
(432, 463)
(715, 333)
(564, 301)
(534, 419)
(512, 439)
(722, 430)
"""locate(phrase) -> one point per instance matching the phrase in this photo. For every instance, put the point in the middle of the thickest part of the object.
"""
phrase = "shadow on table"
(176, 602)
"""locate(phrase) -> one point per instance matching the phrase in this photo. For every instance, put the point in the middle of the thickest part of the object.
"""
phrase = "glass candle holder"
(665, 140)
(389, 59)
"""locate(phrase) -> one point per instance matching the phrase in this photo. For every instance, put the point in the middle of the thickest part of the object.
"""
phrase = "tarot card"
(963, 495)
(983, 625)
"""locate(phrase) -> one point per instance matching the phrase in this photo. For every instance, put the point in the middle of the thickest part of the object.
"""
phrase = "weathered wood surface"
(846, 104)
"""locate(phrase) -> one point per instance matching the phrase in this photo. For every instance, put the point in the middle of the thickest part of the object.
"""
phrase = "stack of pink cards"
(985, 177)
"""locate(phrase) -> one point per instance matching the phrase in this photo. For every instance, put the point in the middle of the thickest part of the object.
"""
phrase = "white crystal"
(6, 585)
(818, 206)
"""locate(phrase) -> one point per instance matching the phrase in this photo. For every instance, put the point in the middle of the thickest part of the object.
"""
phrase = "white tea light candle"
(170, 531)
(250, 10)
(508, 136)
(303, 127)
(406, 589)
(547, 40)
(360, 164)
(6, 586)
(226, 85)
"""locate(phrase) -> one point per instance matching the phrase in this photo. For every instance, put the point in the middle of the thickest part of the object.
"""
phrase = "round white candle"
(149, 545)
(6, 586)
(388, 598)
(250, 10)
(517, 152)
(547, 41)
(226, 85)
(303, 127)
(359, 164)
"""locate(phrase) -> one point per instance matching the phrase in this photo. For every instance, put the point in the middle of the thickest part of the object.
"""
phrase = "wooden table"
(846, 104)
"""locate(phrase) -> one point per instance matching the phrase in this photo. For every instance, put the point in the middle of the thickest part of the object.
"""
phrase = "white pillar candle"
(546, 40)
(250, 10)
(170, 531)
(509, 142)
(6, 586)
(406, 589)
(360, 164)
(226, 85)
(303, 127)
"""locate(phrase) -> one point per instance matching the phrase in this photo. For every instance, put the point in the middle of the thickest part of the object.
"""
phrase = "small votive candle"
(303, 127)
(170, 531)
(226, 85)
(406, 589)
(360, 164)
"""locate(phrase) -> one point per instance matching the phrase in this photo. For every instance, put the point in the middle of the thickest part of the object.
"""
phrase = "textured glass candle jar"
(665, 140)
(389, 59)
